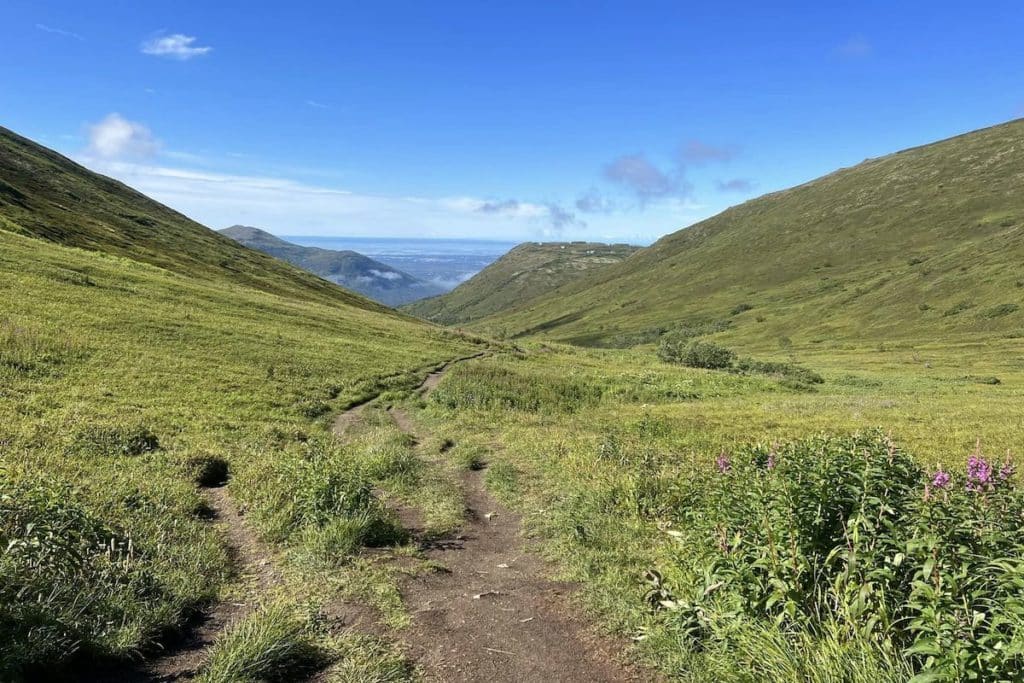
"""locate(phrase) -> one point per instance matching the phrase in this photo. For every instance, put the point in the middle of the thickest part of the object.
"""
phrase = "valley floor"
(519, 514)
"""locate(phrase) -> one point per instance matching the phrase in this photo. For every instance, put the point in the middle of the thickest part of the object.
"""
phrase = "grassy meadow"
(613, 457)
(123, 386)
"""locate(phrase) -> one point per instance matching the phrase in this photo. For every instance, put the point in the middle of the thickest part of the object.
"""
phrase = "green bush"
(696, 354)
(850, 534)
(1001, 310)
(789, 371)
(740, 308)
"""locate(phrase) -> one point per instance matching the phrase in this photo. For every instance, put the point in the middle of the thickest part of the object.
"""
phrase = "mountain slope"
(157, 359)
(524, 273)
(46, 195)
(922, 243)
(349, 269)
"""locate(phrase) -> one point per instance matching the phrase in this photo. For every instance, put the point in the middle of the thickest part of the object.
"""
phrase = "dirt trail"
(256, 574)
(492, 614)
(183, 656)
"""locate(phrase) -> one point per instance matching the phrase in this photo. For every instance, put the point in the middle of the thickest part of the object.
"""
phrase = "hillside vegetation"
(46, 195)
(920, 244)
(157, 359)
(524, 273)
(349, 269)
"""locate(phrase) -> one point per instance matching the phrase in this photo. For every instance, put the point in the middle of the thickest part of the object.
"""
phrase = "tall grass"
(269, 644)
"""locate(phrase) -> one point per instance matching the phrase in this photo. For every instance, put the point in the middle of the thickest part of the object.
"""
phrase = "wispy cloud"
(317, 105)
(175, 46)
(59, 31)
(697, 152)
(594, 202)
(855, 47)
(556, 216)
(645, 180)
(115, 137)
(735, 185)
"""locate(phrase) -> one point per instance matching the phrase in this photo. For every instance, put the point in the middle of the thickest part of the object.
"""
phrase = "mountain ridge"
(347, 268)
(875, 251)
(524, 273)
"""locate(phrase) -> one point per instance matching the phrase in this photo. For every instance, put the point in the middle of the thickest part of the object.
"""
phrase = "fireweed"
(850, 534)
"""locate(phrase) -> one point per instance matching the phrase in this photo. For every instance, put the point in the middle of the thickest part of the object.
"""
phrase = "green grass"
(600, 481)
(528, 271)
(46, 195)
(271, 643)
(916, 246)
(136, 370)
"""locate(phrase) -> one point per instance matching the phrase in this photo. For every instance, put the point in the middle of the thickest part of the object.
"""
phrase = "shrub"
(788, 371)
(696, 354)
(959, 308)
(740, 308)
(1001, 310)
(850, 534)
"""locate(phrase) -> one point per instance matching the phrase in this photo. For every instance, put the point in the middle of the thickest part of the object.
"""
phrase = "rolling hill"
(524, 273)
(917, 245)
(349, 269)
(138, 350)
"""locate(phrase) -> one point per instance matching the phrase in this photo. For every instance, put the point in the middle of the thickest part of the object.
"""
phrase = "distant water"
(445, 262)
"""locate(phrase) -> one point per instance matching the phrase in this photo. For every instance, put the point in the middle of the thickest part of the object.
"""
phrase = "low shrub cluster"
(794, 374)
(850, 537)
(695, 354)
(711, 356)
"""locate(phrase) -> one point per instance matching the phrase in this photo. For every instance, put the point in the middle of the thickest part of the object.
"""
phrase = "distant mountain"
(924, 244)
(349, 269)
(47, 196)
(528, 271)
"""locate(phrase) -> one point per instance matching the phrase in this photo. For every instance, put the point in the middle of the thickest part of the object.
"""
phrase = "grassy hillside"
(526, 272)
(139, 368)
(46, 195)
(349, 269)
(920, 244)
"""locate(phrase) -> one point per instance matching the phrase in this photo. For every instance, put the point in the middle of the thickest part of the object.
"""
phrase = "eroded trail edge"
(492, 614)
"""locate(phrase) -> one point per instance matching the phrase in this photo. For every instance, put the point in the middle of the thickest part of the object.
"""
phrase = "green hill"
(916, 245)
(526, 272)
(349, 269)
(142, 354)
(46, 195)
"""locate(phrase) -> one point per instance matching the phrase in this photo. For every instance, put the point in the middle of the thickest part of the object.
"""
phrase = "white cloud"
(59, 31)
(128, 151)
(175, 46)
(115, 137)
(385, 274)
(317, 105)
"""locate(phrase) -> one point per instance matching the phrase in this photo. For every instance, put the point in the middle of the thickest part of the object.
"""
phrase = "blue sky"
(524, 120)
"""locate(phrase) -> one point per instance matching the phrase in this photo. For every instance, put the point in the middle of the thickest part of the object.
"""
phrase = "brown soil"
(493, 614)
